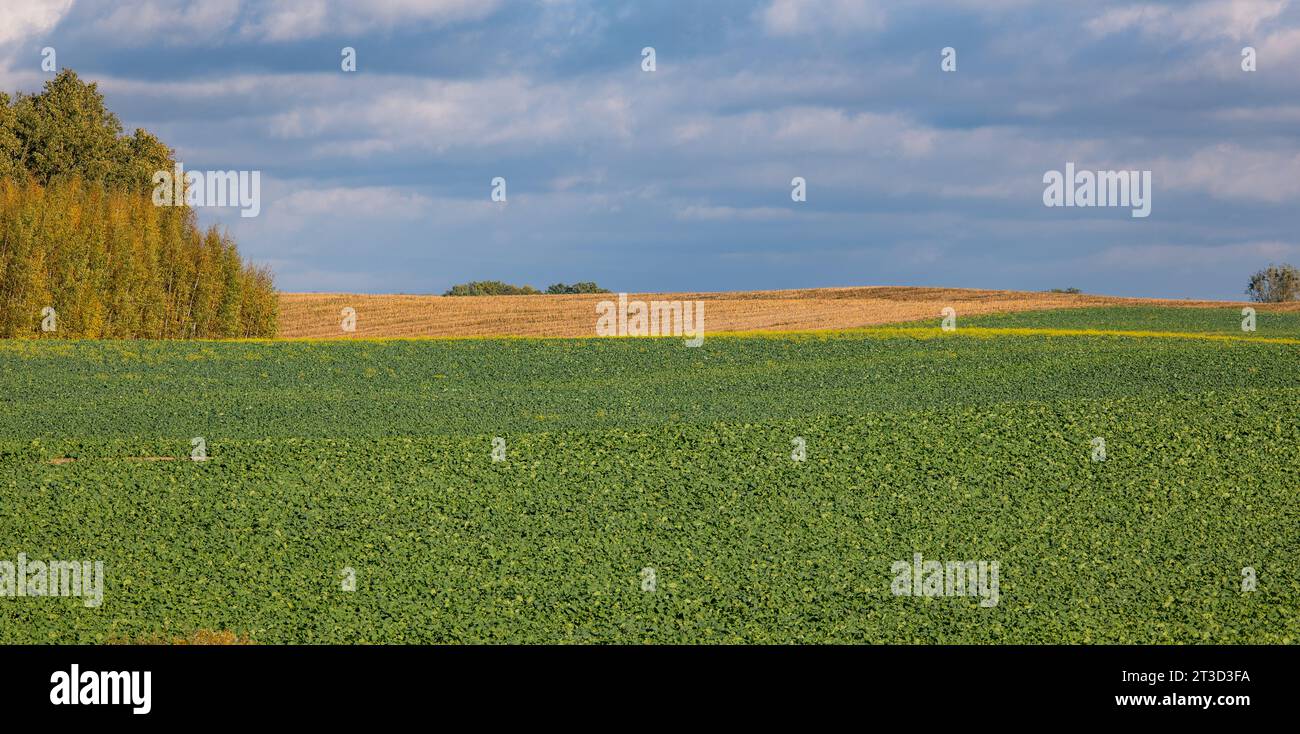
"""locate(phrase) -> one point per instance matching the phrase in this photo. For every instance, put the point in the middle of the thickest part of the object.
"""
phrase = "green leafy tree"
(585, 286)
(490, 288)
(66, 130)
(139, 157)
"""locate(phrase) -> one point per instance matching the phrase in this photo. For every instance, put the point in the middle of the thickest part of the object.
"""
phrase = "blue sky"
(679, 179)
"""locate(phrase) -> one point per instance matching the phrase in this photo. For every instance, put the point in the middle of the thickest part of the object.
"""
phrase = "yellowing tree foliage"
(79, 233)
(113, 265)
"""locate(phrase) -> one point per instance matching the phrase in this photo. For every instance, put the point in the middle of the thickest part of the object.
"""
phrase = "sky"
(379, 180)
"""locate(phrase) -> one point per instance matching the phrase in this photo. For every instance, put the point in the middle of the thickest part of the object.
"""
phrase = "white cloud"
(728, 213)
(175, 22)
(807, 129)
(436, 115)
(287, 20)
(372, 202)
(171, 23)
(26, 22)
(1229, 171)
(1204, 20)
(806, 17)
(1280, 49)
(566, 183)
(28, 17)
(294, 216)
(1271, 113)
(799, 17)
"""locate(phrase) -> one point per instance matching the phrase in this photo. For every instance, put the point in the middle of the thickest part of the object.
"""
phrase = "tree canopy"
(66, 131)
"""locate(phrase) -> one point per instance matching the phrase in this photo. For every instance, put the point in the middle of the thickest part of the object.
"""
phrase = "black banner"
(925, 684)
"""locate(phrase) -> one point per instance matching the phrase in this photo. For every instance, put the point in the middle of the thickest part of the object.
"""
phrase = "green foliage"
(66, 130)
(585, 286)
(498, 288)
(112, 264)
(1275, 284)
(11, 147)
(79, 232)
(1071, 291)
(631, 453)
(490, 288)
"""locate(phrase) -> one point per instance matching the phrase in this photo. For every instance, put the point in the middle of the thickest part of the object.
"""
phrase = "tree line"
(499, 288)
(79, 233)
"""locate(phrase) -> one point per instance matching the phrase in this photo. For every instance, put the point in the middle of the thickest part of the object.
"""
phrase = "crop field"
(623, 455)
(1223, 321)
(317, 315)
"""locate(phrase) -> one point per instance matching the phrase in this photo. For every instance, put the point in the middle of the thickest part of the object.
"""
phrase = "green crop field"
(631, 454)
(1226, 321)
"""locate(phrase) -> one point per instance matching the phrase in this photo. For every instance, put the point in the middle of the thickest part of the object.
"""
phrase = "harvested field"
(318, 315)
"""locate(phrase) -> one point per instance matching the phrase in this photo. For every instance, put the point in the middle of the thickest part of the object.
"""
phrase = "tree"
(490, 288)
(1275, 284)
(79, 232)
(11, 148)
(585, 286)
(113, 265)
(138, 158)
(66, 130)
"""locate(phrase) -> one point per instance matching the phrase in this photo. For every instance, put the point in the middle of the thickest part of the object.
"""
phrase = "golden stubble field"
(319, 315)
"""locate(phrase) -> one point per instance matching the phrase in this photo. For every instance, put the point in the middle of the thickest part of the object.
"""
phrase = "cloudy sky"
(379, 180)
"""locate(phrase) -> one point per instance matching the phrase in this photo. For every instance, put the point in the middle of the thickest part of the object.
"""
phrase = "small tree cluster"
(1275, 284)
(585, 286)
(498, 288)
(490, 288)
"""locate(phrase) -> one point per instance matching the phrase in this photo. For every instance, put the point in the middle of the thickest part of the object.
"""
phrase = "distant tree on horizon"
(585, 286)
(490, 288)
(1275, 284)
(499, 288)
